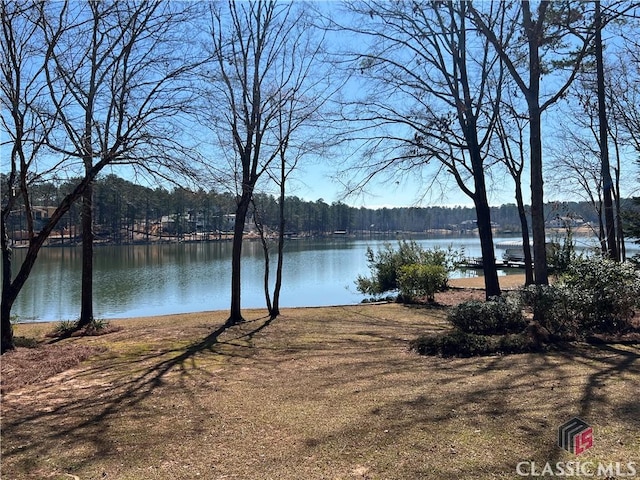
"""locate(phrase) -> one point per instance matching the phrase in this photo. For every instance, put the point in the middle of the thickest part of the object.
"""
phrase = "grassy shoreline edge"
(325, 392)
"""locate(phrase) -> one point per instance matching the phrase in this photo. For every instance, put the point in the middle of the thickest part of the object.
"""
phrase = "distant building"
(472, 225)
(566, 222)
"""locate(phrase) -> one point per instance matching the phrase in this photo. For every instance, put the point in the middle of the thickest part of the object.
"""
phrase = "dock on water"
(477, 263)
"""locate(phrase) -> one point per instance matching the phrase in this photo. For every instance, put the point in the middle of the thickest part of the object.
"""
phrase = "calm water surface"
(143, 280)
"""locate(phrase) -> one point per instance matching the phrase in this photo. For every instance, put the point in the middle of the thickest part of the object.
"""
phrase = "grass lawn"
(319, 393)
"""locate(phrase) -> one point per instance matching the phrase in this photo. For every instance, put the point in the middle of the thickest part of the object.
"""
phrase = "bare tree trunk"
(622, 250)
(607, 182)
(602, 236)
(515, 168)
(86, 299)
(7, 253)
(276, 291)
(483, 216)
(5, 328)
(532, 95)
(491, 282)
(265, 250)
(540, 267)
(235, 313)
(526, 242)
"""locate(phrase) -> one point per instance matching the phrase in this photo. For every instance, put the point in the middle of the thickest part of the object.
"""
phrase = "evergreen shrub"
(602, 294)
(495, 317)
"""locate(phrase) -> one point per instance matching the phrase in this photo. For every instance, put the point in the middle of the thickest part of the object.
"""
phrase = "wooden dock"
(477, 264)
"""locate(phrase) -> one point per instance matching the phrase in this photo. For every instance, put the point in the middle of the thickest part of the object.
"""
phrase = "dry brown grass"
(318, 393)
(27, 366)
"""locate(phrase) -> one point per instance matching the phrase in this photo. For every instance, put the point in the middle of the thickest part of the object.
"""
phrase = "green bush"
(594, 295)
(67, 328)
(97, 326)
(602, 294)
(550, 307)
(517, 343)
(427, 344)
(418, 280)
(64, 328)
(457, 343)
(462, 344)
(385, 265)
(494, 317)
(562, 255)
(454, 343)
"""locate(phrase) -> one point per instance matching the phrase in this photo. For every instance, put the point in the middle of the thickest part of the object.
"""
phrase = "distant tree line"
(123, 208)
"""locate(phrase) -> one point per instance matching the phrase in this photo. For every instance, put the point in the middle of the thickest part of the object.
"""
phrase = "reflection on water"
(141, 280)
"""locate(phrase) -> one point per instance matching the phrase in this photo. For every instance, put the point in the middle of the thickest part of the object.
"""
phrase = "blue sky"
(316, 179)
(412, 190)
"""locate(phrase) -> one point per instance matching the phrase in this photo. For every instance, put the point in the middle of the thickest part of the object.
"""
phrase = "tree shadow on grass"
(430, 417)
(81, 420)
(484, 415)
(597, 402)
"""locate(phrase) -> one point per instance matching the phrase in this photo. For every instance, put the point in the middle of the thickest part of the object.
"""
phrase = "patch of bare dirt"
(454, 296)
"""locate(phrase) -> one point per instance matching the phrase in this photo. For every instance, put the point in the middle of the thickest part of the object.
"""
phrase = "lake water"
(144, 280)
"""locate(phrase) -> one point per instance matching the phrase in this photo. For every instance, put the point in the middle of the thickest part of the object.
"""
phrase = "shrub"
(550, 307)
(67, 328)
(454, 343)
(494, 317)
(595, 295)
(562, 255)
(457, 343)
(602, 294)
(64, 328)
(427, 344)
(385, 265)
(97, 326)
(462, 344)
(418, 280)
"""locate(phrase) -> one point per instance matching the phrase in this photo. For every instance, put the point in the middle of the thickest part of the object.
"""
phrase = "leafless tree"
(262, 67)
(551, 40)
(433, 87)
(86, 85)
(575, 156)
(511, 151)
(624, 98)
(603, 137)
(625, 83)
(595, 122)
(301, 124)
(26, 125)
(113, 70)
